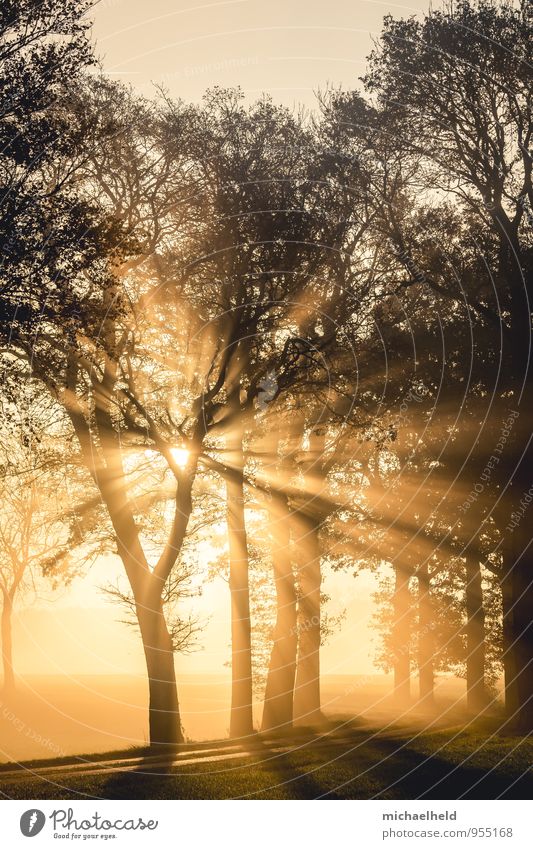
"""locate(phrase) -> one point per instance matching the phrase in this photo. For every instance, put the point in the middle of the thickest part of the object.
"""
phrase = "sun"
(180, 456)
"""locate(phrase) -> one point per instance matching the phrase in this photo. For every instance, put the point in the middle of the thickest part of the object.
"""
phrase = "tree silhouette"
(457, 90)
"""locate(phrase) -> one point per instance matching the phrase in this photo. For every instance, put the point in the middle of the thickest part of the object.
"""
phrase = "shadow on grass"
(322, 768)
(400, 772)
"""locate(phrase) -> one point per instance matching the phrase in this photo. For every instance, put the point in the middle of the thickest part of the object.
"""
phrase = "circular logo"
(32, 822)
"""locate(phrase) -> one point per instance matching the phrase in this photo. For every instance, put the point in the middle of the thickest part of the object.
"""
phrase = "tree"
(44, 49)
(278, 713)
(457, 91)
(113, 343)
(153, 504)
(252, 276)
(36, 539)
(76, 331)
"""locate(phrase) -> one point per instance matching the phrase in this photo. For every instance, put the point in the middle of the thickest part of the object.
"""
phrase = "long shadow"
(289, 779)
(315, 768)
(149, 782)
(407, 774)
(143, 782)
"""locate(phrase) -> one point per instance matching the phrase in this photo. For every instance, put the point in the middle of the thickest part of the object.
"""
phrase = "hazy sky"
(289, 48)
(79, 632)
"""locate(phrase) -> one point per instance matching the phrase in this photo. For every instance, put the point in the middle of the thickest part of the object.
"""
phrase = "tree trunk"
(476, 694)
(401, 635)
(518, 488)
(517, 588)
(241, 720)
(307, 524)
(508, 634)
(518, 636)
(425, 637)
(279, 692)
(164, 715)
(307, 687)
(7, 644)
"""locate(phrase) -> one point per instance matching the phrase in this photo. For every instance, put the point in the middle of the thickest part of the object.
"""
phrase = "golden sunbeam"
(180, 456)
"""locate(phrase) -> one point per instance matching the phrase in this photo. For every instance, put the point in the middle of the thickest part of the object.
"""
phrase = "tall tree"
(253, 275)
(77, 333)
(278, 710)
(457, 90)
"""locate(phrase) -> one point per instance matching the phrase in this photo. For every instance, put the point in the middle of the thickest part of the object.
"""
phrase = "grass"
(449, 764)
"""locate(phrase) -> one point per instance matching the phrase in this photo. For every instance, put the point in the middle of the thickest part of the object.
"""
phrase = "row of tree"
(318, 326)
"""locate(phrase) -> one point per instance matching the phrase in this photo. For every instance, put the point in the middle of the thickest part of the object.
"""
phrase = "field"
(354, 764)
(365, 750)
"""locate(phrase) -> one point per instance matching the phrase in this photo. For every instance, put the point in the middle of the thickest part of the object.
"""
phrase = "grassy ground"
(446, 764)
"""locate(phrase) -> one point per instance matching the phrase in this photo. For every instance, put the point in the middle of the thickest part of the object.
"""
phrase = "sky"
(291, 49)
(78, 630)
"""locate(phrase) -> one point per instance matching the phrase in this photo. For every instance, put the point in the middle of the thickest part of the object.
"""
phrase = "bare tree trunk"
(476, 694)
(518, 636)
(426, 646)
(521, 577)
(509, 651)
(164, 715)
(307, 525)
(401, 635)
(241, 720)
(518, 565)
(307, 688)
(279, 691)
(7, 644)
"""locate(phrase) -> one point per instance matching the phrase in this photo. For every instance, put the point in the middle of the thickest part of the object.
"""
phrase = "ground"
(348, 761)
